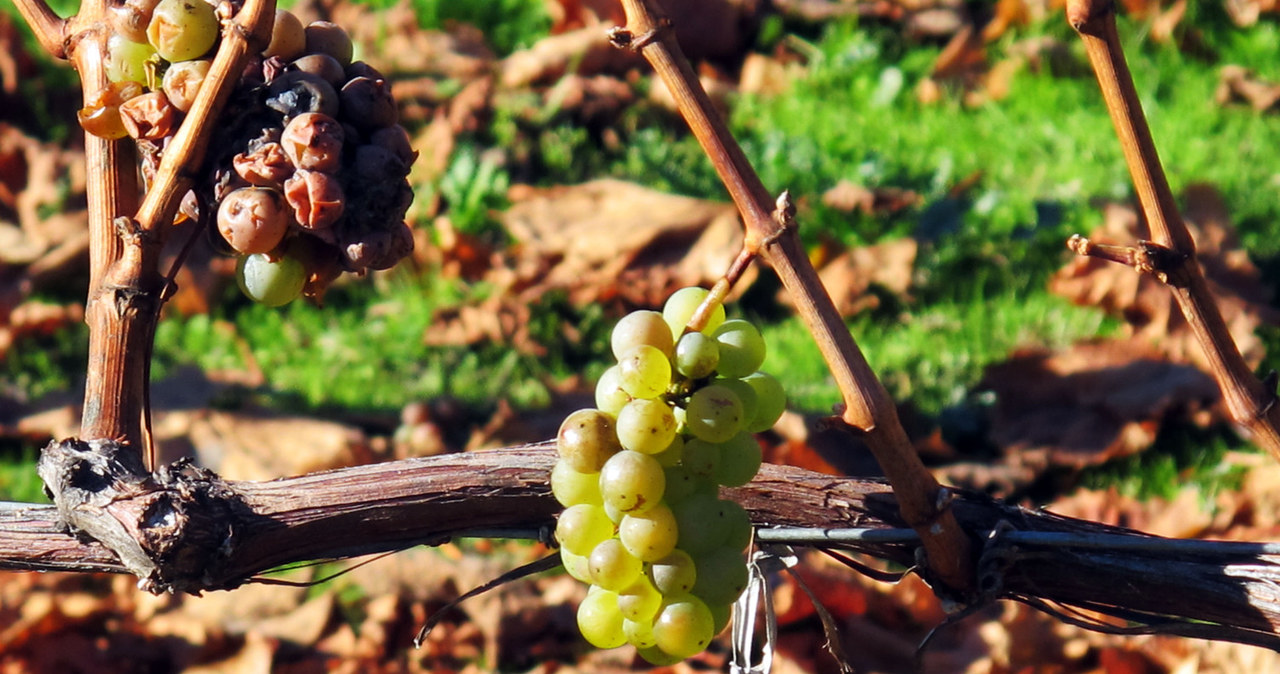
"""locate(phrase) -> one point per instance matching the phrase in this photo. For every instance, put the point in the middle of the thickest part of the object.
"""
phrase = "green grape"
(684, 627)
(680, 484)
(746, 395)
(696, 355)
(577, 566)
(127, 60)
(600, 621)
(612, 567)
(722, 576)
(681, 305)
(181, 30)
(721, 614)
(639, 633)
(701, 457)
(700, 520)
(650, 535)
(586, 440)
(644, 372)
(714, 413)
(646, 426)
(740, 459)
(582, 527)
(610, 397)
(674, 574)
(632, 482)
(674, 451)
(742, 349)
(641, 327)
(271, 283)
(738, 527)
(614, 514)
(640, 600)
(572, 488)
(658, 657)
(771, 401)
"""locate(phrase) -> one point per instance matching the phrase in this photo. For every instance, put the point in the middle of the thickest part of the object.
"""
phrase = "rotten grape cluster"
(640, 474)
(306, 175)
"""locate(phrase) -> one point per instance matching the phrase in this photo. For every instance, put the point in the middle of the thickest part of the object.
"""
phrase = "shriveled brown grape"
(253, 219)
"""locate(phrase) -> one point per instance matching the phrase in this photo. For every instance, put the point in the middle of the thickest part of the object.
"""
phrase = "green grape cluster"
(306, 175)
(639, 476)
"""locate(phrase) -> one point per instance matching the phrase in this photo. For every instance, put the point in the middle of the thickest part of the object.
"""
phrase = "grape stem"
(48, 27)
(771, 234)
(1170, 256)
(126, 288)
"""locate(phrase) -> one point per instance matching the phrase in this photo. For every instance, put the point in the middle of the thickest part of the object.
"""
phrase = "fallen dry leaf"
(1090, 403)
(1237, 84)
(850, 276)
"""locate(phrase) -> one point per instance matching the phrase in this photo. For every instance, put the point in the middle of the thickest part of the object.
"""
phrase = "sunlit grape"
(586, 440)
(572, 488)
(650, 535)
(640, 600)
(612, 566)
(127, 60)
(681, 305)
(684, 627)
(181, 30)
(644, 372)
(641, 327)
(582, 527)
(646, 426)
(632, 482)
(599, 620)
(674, 574)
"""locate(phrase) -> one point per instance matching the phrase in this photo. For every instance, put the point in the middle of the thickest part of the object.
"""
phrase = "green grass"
(364, 350)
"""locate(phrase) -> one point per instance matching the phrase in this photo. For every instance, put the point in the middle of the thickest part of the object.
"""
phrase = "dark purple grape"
(368, 103)
(380, 249)
(395, 139)
(323, 66)
(326, 37)
(362, 69)
(294, 93)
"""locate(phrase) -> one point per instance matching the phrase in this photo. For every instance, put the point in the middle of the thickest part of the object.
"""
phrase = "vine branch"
(1218, 590)
(771, 233)
(48, 27)
(1171, 253)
